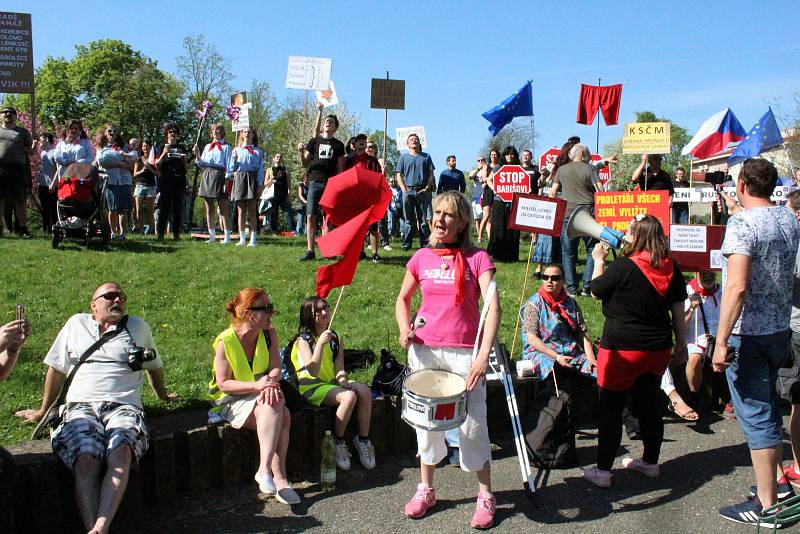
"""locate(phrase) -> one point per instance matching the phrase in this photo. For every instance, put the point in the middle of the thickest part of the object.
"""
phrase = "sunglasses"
(551, 277)
(112, 295)
(322, 309)
(267, 308)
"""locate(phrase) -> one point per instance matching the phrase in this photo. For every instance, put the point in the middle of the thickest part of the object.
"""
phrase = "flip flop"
(689, 415)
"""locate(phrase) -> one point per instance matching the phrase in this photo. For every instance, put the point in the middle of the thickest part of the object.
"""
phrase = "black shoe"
(309, 255)
(783, 490)
(376, 258)
(362, 256)
(23, 232)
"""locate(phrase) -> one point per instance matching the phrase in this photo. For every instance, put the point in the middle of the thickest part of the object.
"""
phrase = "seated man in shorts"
(102, 423)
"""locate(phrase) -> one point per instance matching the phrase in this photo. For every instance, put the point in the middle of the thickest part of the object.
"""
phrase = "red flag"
(605, 97)
(354, 199)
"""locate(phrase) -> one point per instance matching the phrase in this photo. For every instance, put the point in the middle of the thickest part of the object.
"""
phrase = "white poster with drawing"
(328, 97)
(309, 73)
(401, 135)
(244, 118)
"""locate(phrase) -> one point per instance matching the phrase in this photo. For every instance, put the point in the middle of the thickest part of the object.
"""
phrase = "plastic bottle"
(328, 464)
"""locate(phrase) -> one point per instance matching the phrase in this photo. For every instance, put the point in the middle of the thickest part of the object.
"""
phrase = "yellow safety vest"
(234, 353)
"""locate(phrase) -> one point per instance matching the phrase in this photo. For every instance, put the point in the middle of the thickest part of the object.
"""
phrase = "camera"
(138, 355)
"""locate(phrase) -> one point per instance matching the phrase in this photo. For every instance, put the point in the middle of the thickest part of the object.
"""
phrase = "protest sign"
(329, 97)
(16, 53)
(696, 247)
(537, 214)
(244, 118)
(687, 194)
(388, 94)
(308, 73)
(510, 180)
(551, 155)
(603, 173)
(616, 209)
(646, 138)
(401, 135)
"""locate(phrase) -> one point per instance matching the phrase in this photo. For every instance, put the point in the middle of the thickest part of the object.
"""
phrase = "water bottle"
(328, 464)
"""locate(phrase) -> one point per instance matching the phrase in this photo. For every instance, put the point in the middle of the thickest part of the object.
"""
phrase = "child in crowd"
(395, 209)
(318, 357)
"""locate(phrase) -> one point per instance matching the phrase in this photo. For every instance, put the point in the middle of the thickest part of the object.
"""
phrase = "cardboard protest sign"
(537, 214)
(697, 247)
(401, 135)
(388, 94)
(646, 138)
(308, 73)
(16, 53)
(616, 209)
(329, 97)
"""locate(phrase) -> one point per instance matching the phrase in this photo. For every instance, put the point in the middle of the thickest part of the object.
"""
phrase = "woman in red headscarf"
(643, 293)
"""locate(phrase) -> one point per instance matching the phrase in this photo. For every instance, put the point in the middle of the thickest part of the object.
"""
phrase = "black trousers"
(170, 204)
(48, 200)
(646, 405)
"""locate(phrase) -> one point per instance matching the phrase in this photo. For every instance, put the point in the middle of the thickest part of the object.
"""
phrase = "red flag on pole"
(605, 97)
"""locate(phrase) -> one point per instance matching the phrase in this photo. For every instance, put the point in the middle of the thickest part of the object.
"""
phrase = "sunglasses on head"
(551, 277)
(112, 295)
(267, 308)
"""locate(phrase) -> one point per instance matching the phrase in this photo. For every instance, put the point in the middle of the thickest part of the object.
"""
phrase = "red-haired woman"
(245, 387)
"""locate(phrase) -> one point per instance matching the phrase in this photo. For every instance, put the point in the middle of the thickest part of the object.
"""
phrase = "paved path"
(699, 472)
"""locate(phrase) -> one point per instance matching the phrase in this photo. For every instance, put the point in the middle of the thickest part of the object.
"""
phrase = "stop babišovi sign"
(510, 180)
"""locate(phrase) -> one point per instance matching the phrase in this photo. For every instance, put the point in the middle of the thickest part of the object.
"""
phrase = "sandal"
(688, 415)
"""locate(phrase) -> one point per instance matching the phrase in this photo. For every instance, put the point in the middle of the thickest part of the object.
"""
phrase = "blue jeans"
(680, 216)
(414, 214)
(751, 375)
(451, 437)
(394, 222)
(300, 225)
(281, 202)
(569, 259)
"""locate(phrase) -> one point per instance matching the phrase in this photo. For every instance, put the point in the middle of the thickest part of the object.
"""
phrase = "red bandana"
(249, 149)
(215, 144)
(556, 304)
(698, 288)
(660, 276)
(458, 267)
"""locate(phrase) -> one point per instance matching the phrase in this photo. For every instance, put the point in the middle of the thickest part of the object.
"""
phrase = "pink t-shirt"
(445, 324)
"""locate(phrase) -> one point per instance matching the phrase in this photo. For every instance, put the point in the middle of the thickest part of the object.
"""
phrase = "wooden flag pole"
(338, 300)
(521, 298)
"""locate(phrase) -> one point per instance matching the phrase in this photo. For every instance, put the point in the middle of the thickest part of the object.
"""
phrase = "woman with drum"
(452, 275)
(643, 295)
(318, 358)
(245, 387)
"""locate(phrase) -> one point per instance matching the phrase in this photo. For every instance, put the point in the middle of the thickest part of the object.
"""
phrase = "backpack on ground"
(550, 432)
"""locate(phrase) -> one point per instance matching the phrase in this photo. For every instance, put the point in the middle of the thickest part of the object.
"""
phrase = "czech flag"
(716, 133)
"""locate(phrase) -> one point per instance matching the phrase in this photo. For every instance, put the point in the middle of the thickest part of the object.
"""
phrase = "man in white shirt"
(102, 420)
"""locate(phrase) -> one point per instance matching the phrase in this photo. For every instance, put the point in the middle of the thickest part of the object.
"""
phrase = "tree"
(392, 153)
(204, 71)
(623, 171)
(788, 115)
(517, 134)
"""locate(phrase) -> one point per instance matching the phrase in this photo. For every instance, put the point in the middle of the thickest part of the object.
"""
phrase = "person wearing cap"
(16, 147)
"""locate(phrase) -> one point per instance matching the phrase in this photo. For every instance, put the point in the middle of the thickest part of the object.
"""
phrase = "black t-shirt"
(657, 181)
(637, 317)
(173, 165)
(533, 172)
(281, 180)
(324, 155)
(146, 178)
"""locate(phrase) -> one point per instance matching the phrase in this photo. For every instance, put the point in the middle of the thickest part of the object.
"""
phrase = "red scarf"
(698, 288)
(556, 305)
(215, 144)
(249, 149)
(115, 147)
(458, 267)
(660, 276)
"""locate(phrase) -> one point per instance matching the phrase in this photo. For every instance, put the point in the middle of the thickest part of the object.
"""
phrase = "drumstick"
(336, 307)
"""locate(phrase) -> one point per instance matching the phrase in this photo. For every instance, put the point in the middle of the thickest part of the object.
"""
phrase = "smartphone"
(21, 317)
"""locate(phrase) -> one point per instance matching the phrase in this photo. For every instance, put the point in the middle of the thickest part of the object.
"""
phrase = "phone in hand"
(21, 317)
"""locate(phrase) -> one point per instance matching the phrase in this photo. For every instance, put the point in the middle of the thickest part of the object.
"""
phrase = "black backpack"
(389, 375)
(550, 432)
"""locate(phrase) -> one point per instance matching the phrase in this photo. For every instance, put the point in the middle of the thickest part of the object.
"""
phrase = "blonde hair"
(458, 204)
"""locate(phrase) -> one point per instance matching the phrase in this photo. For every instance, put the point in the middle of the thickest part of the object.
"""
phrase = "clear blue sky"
(684, 61)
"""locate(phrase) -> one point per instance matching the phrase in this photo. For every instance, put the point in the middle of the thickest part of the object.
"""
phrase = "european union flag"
(520, 104)
(761, 137)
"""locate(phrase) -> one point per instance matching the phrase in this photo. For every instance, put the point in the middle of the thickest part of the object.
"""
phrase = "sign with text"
(309, 73)
(709, 194)
(388, 94)
(329, 97)
(510, 180)
(244, 118)
(616, 209)
(687, 194)
(537, 214)
(603, 173)
(401, 136)
(697, 247)
(646, 138)
(16, 53)
(551, 155)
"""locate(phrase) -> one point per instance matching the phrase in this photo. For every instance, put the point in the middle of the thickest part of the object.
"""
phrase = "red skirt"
(617, 370)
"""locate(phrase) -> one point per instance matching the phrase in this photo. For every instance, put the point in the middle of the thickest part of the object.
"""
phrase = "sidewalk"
(699, 473)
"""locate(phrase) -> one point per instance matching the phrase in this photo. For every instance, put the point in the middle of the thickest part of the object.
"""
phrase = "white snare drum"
(434, 400)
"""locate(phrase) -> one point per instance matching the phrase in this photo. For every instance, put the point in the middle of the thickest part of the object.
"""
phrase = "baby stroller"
(79, 206)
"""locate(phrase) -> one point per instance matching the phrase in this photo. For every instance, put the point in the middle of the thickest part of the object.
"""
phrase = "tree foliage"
(517, 134)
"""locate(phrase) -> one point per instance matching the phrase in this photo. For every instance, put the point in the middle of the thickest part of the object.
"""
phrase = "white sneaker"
(266, 484)
(225, 241)
(342, 456)
(241, 243)
(387, 247)
(251, 244)
(366, 452)
(211, 239)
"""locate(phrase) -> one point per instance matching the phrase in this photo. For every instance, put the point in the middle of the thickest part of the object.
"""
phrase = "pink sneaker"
(598, 477)
(424, 498)
(484, 511)
(649, 470)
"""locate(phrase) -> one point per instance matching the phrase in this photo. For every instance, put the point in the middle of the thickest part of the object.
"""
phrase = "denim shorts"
(145, 191)
(314, 195)
(118, 197)
(751, 378)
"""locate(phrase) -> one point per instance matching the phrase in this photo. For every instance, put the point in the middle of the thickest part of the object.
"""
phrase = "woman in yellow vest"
(318, 358)
(245, 386)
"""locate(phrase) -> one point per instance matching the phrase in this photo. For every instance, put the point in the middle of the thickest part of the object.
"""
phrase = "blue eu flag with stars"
(761, 137)
(520, 104)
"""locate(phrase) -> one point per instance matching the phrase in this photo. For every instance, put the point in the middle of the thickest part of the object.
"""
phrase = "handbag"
(389, 375)
(54, 415)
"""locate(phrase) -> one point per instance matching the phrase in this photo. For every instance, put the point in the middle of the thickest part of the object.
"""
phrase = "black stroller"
(79, 207)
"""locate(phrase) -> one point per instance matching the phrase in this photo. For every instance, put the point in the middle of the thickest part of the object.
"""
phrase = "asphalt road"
(700, 471)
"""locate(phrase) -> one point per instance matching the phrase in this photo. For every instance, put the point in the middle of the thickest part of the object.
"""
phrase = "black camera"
(138, 355)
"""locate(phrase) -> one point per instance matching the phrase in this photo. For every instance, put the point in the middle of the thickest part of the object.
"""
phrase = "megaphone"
(582, 223)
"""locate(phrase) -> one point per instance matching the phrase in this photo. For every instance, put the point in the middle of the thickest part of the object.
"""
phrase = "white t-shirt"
(696, 340)
(106, 375)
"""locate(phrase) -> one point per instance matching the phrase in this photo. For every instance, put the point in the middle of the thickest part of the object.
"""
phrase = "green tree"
(517, 134)
(392, 153)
